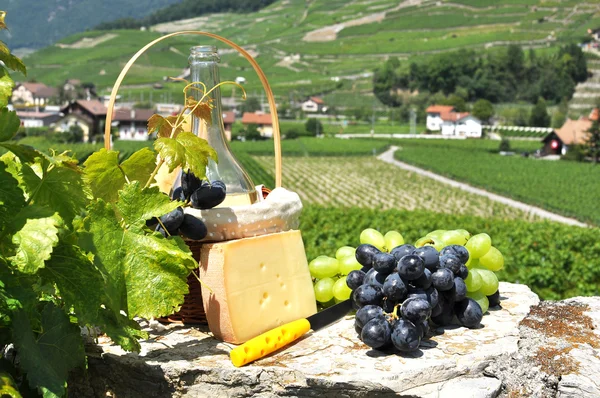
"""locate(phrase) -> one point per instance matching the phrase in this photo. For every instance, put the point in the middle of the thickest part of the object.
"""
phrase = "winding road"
(388, 157)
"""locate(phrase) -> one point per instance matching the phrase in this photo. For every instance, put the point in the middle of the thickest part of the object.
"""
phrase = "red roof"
(574, 131)
(594, 114)
(257, 118)
(133, 115)
(317, 100)
(228, 117)
(447, 112)
(39, 90)
(454, 116)
(95, 107)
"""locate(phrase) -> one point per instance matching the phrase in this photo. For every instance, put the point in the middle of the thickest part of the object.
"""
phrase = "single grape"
(451, 262)
(442, 279)
(384, 263)
(494, 299)
(489, 282)
(479, 245)
(345, 251)
(177, 194)
(208, 195)
(400, 251)
(376, 333)
(189, 184)
(468, 312)
(473, 280)
(341, 291)
(430, 257)
(405, 336)
(424, 281)
(355, 279)
(348, 264)
(453, 238)
(444, 313)
(394, 288)
(324, 267)
(459, 251)
(324, 290)
(411, 267)
(466, 234)
(373, 237)
(423, 328)
(171, 222)
(415, 310)
(367, 294)
(193, 228)
(365, 253)
(430, 241)
(460, 289)
(373, 277)
(432, 296)
(481, 299)
(366, 313)
(473, 263)
(463, 272)
(492, 260)
(436, 234)
(393, 239)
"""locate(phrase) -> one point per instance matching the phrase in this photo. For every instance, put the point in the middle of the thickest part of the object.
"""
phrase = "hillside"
(321, 46)
(39, 23)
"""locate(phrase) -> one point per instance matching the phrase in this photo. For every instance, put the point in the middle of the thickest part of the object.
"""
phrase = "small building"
(32, 94)
(444, 119)
(37, 119)
(90, 115)
(228, 120)
(132, 124)
(263, 122)
(572, 132)
(313, 105)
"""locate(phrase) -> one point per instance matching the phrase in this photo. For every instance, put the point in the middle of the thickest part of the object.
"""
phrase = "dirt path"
(388, 157)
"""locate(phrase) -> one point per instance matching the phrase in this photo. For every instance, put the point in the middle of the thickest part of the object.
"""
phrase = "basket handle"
(261, 75)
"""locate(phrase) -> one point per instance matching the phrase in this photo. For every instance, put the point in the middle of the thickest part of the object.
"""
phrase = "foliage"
(314, 127)
(557, 186)
(251, 133)
(483, 110)
(251, 104)
(305, 146)
(75, 250)
(539, 114)
(555, 260)
(504, 145)
(497, 76)
(592, 141)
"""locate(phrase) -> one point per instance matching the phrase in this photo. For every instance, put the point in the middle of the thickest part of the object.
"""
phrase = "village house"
(87, 114)
(37, 119)
(228, 120)
(572, 132)
(132, 124)
(313, 105)
(444, 119)
(262, 121)
(32, 94)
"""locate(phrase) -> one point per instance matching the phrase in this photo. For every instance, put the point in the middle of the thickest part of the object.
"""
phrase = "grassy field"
(278, 31)
(565, 187)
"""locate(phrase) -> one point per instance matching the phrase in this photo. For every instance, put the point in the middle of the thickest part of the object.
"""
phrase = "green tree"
(251, 133)
(592, 141)
(539, 114)
(386, 83)
(252, 104)
(314, 127)
(483, 110)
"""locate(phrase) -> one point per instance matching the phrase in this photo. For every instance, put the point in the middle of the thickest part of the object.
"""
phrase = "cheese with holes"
(256, 284)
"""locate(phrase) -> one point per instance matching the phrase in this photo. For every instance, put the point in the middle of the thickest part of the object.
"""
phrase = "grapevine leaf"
(186, 150)
(136, 205)
(163, 126)
(25, 153)
(57, 185)
(6, 86)
(2, 23)
(140, 165)
(11, 61)
(200, 110)
(9, 124)
(11, 197)
(122, 330)
(49, 355)
(103, 174)
(149, 272)
(35, 241)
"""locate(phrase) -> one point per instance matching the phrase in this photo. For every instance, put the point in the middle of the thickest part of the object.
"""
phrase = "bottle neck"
(207, 72)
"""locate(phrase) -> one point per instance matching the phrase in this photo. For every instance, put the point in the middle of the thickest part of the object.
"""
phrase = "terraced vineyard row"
(369, 183)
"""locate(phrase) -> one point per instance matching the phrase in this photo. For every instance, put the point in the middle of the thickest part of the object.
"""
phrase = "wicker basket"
(192, 309)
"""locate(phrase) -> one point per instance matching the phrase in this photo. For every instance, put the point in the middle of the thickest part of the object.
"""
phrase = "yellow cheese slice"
(257, 284)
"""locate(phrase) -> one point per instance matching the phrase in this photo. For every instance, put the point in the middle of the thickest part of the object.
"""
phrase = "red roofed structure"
(444, 119)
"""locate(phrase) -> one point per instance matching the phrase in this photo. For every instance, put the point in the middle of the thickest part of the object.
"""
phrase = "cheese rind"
(257, 284)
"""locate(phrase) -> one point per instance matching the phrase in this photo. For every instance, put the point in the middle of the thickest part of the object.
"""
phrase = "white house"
(32, 94)
(313, 105)
(444, 119)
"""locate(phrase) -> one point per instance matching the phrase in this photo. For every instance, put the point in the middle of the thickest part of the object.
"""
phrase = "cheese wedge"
(257, 284)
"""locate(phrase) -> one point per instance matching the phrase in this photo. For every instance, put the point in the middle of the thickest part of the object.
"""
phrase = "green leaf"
(149, 272)
(8, 386)
(10, 60)
(11, 197)
(25, 153)
(140, 165)
(106, 177)
(186, 150)
(57, 185)
(48, 355)
(9, 124)
(6, 87)
(136, 205)
(35, 241)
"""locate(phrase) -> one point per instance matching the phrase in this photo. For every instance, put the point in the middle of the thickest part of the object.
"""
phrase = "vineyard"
(563, 187)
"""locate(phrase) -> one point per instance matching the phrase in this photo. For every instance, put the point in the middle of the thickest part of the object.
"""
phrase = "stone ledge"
(501, 358)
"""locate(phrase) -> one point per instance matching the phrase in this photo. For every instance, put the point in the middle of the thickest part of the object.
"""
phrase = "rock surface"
(546, 352)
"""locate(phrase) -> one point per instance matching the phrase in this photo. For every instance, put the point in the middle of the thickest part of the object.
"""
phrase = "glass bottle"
(204, 68)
